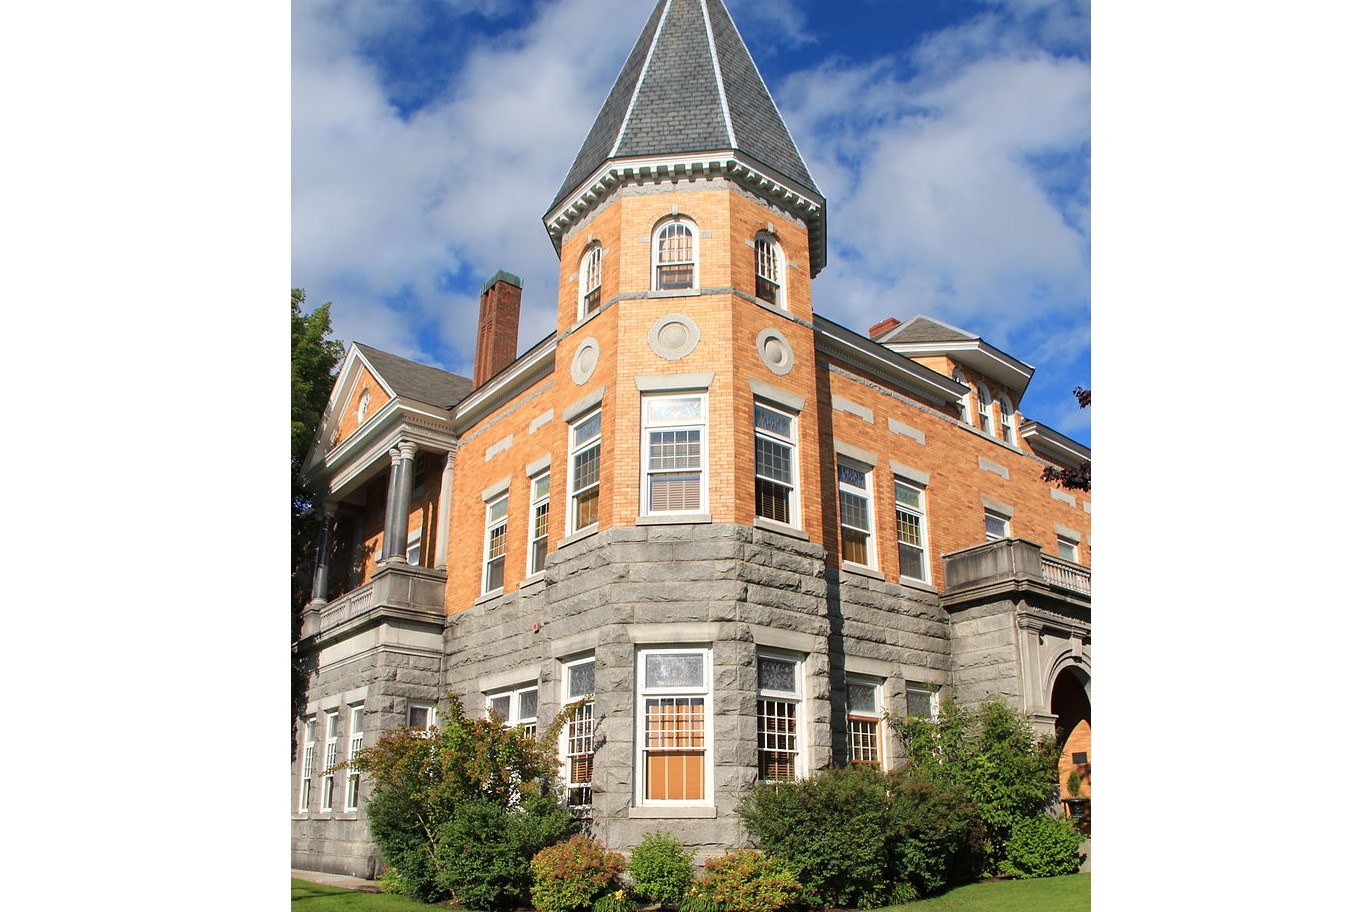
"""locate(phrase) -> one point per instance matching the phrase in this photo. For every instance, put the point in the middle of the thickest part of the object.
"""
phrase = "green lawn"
(1050, 894)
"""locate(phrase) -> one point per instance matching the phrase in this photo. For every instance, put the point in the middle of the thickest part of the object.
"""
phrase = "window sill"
(537, 577)
(489, 596)
(650, 811)
(912, 583)
(577, 536)
(676, 519)
(770, 525)
(680, 293)
(860, 570)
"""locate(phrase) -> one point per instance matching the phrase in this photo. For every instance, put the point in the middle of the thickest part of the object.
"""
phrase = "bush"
(747, 881)
(1043, 846)
(616, 901)
(661, 868)
(695, 902)
(935, 839)
(572, 874)
(458, 813)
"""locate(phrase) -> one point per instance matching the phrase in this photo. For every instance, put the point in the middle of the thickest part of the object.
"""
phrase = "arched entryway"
(1072, 705)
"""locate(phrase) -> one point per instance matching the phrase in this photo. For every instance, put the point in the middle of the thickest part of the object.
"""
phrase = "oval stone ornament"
(774, 351)
(673, 336)
(584, 361)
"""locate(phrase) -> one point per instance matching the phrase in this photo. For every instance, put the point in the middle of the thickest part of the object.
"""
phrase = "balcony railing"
(1013, 564)
(1066, 574)
(398, 587)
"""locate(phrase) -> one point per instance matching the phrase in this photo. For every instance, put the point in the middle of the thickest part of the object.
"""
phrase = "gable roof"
(412, 380)
(921, 328)
(923, 336)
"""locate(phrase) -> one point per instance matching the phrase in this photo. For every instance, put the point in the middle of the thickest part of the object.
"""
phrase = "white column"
(448, 478)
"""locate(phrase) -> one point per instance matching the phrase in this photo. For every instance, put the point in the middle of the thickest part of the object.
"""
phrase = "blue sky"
(951, 139)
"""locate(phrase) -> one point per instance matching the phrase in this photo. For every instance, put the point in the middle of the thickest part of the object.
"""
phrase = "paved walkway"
(337, 880)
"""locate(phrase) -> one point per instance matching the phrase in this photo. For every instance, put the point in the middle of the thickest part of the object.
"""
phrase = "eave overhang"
(1049, 444)
(724, 163)
(839, 342)
(365, 452)
(535, 365)
(986, 359)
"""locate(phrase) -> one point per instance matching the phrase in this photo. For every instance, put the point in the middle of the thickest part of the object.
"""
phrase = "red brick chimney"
(882, 326)
(500, 306)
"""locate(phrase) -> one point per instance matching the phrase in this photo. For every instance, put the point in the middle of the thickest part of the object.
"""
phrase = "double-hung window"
(779, 717)
(495, 542)
(984, 409)
(775, 465)
(922, 702)
(306, 764)
(864, 712)
(856, 513)
(998, 526)
(674, 458)
(540, 532)
(675, 256)
(768, 271)
(1067, 549)
(356, 737)
(516, 708)
(911, 530)
(674, 688)
(330, 759)
(578, 737)
(420, 716)
(1008, 420)
(586, 438)
(591, 281)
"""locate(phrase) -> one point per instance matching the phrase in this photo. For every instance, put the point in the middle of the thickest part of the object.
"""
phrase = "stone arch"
(1071, 704)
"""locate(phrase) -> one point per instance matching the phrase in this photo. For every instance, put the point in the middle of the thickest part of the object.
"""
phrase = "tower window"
(1008, 420)
(775, 477)
(984, 409)
(586, 439)
(591, 281)
(675, 257)
(675, 453)
(769, 271)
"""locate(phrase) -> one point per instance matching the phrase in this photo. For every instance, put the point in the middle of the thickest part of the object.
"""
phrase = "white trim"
(693, 260)
(795, 698)
(791, 441)
(644, 695)
(584, 715)
(867, 493)
(331, 730)
(678, 425)
(919, 510)
(876, 717)
(355, 742)
(306, 764)
(780, 261)
(534, 501)
(585, 263)
(571, 526)
(491, 524)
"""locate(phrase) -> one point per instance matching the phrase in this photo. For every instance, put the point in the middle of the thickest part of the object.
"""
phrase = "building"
(746, 530)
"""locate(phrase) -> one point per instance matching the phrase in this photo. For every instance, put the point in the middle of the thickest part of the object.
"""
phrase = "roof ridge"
(640, 79)
(716, 73)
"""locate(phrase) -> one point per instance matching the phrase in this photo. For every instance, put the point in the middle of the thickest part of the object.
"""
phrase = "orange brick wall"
(1079, 741)
(378, 397)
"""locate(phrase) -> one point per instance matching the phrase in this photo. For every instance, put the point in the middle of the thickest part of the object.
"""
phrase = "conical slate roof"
(690, 85)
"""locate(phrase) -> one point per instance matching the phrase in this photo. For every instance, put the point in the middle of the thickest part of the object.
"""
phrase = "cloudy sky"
(950, 137)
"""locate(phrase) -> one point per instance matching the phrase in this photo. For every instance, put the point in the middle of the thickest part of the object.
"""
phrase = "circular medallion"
(673, 336)
(584, 361)
(774, 351)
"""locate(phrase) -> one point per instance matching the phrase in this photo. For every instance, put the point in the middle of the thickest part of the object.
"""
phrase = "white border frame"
(709, 733)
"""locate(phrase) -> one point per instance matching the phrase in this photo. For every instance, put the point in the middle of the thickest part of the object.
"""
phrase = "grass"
(312, 897)
(1072, 893)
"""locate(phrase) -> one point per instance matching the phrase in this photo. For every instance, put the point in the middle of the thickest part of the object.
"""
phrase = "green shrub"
(616, 901)
(748, 881)
(1043, 846)
(693, 901)
(934, 840)
(661, 868)
(572, 874)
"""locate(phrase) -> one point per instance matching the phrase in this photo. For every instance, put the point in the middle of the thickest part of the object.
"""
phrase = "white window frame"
(770, 264)
(355, 741)
(495, 544)
(985, 411)
(306, 764)
(932, 695)
(413, 549)
(517, 716)
(1008, 419)
(645, 695)
(773, 438)
(542, 503)
(845, 487)
(988, 516)
(591, 280)
(363, 405)
(918, 511)
(651, 426)
(964, 410)
(1073, 544)
(576, 738)
(661, 238)
(769, 698)
(580, 448)
(864, 718)
(428, 711)
(333, 724)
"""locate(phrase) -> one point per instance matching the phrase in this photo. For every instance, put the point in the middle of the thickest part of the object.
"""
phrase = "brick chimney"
(882, 326)
(500, 306)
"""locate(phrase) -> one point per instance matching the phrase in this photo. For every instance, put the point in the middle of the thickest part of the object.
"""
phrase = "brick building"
(747, 531)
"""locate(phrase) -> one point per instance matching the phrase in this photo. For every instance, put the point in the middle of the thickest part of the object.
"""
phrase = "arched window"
(984, 410)
(591, 280)
(674, 257)
(963, 403)
(363, 406)
(1008, 419)
(769, 271)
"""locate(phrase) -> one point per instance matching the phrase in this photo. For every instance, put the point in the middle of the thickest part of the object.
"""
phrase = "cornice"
(836, 341)
(536, 364)
(1047, 442)
(987, 359)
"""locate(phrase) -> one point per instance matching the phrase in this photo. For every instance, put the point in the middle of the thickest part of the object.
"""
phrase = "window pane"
(671, 450)
(911, 562)
(675, 493)
(774, 422)
(586, 468)
(861, 697)
(674, 278)
(854, 546)
(581, 679)
(854, 511)
(918, 702)
(541, 487)
(851, 476)
(774, 460)
(907, 495)
(586, 509)
(777, 674)
(771, 501)
(526, 708)
(675, 670)
(418, 717)
(502, 705)
(589, 429)
(680, 409)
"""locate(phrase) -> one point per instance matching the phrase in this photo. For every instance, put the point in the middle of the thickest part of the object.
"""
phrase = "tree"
(1078, 478)
(458, 812)
(313, 363)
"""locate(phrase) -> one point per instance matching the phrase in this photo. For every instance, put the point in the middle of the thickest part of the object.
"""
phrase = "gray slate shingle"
(418, 381)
